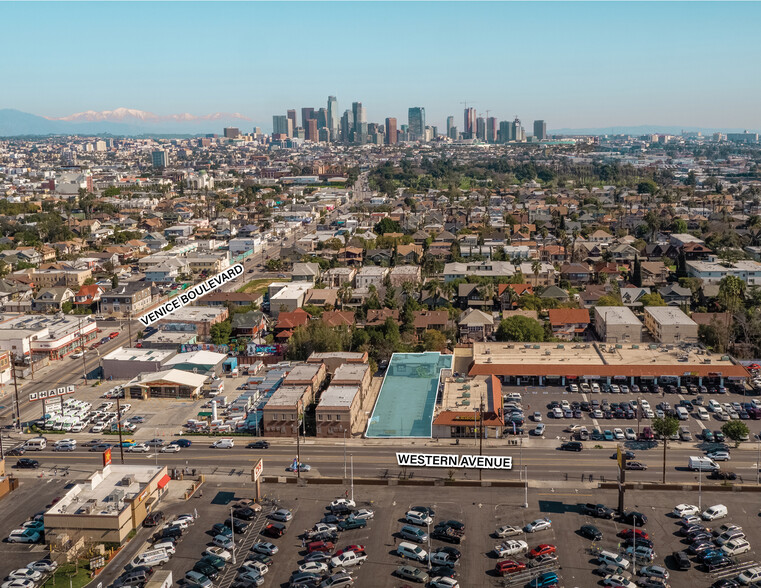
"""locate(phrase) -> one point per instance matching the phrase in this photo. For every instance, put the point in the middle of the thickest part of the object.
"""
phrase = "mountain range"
(121, 121)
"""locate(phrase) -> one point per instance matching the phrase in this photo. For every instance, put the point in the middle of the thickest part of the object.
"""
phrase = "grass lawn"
(61, 576)
(260, 285)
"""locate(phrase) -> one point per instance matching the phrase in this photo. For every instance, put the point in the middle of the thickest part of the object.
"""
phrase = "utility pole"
(119, 426)
(129, 328)
(525, 486)
(481, 436)
(344, 454)
(82, 347)
(352, 478)
(15, 389)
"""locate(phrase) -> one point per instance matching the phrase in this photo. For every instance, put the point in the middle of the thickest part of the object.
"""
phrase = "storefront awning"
(164, 481)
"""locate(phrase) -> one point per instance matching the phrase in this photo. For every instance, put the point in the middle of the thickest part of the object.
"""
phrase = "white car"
(18, 583)
(718, 455)
(749, 576)
(538, 525)
(630, 435)
(735, 547)
(364, 514)
(187, 519)
(25, 574)
(512, 547)
(170, 449)
(618, 433)
(689, 519)
(43, 566)
(573, 388)
(314, 567)
(265, 547)
(343, 502)
(444, 582)
(138, 448)
(325, 528)
(618, 580)
(508, 531)
(98, 427)
(218, 552)
(418, 518)
(683, 510)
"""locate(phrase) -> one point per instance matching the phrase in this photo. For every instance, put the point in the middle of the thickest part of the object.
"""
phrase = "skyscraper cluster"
(324, 125)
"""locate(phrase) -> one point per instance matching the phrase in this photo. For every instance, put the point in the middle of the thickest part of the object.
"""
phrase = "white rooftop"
(201, 357)
(338, 396)
(617, 315)
(669, 315)
(134, 354)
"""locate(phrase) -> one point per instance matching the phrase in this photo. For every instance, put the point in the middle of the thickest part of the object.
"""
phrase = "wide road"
(327, 460)
(65, 372)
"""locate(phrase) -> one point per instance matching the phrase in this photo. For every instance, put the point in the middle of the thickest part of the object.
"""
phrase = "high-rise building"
(333, 116)
(504, 131)
(160, 158)
(280, 125)
(416, 122)
(322, 118)
(232, 132)
(470, 123)
(306, 114)
(360, 123)
(291, 114)
(311, 130)
(516, 133)
(452, 134)
(481, 128)
(491, 129)
(347, 126)
(390, 131)
(450, 124)
(540, 130)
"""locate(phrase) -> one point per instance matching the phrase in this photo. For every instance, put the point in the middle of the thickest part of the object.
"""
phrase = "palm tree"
(536, 267)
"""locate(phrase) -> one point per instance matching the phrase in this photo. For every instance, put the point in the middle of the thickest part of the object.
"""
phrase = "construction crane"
(466, 103)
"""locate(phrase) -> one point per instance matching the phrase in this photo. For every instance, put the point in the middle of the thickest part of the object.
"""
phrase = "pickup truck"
(348, 559)
(448, 534)
(352, 523)
(510, 547)
(597, 510)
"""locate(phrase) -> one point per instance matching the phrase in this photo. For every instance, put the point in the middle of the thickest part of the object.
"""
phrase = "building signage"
(191, 295)
(51, 393)
(441, 460)
(107, 457)
(257, 470)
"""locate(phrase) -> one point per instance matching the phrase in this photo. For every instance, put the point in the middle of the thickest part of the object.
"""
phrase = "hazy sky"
(573, 64)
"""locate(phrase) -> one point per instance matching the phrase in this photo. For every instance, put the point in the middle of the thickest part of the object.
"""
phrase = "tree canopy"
(520, 328)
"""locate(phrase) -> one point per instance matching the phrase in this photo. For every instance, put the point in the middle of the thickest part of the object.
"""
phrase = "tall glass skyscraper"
(416, 122)
(333, 116)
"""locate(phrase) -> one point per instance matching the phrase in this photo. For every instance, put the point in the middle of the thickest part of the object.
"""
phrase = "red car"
(509, 566)
(629, 533)
(113, 335)
(355, 548)
(325, 547)
(542, 549)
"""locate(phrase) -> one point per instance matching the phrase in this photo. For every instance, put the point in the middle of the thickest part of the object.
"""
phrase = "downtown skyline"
(574, 64)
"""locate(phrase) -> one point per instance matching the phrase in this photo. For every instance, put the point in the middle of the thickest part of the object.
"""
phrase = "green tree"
(387, 225)
(520, 328)
(647, 187)
(434, 340)
(665, 428)
(654, 299)
(637, 272)
(609, 300)
(731, 293)
(679, 226)
(220, 333)
(736, 430)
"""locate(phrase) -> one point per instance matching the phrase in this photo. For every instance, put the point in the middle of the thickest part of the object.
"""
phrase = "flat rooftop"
(351, 372)
(617, 315)
(303, 372)
(57, 325)
(286, 396)
(338, 397)
(196, 314)
(668, 315)
(104, 492)
(134, 354)
(201, 357)
(599, 359)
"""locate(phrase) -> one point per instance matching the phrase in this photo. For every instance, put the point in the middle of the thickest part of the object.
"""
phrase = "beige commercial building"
(617, 324)
(108, 505)
(307, 374)
(668, 324)
(339, 411)
(354, 374)
(71, 278)
(280, 416)
(335, 359)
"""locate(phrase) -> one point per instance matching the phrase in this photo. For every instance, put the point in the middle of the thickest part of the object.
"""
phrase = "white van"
(702, 464)
(226, 443)
(167, 546)
(36, 444)
(717, 511)
(411, 551)
(514, 396)
(608, 557)
(682, 413)
(150, 558)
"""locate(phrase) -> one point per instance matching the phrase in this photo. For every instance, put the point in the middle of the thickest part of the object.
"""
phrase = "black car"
(445, 534)
(172, 532)
(626, 454)
(597, 510)
(452, 524)
(687, 529)
(452, 552)
(239, 527)
(725, 583)
(27, 463)
(426, 509)
(258, 445)
(16, 451)
(717, 562)
(571, 446)
(275, 530)
(699, 537)
(681, 560)
(633, 517)
(206, 569)
(720, 475)
(318, 556)
(246, 513)
(153, 519)
(639, 542)
(340, 509)
(591, 532)
(444, 571)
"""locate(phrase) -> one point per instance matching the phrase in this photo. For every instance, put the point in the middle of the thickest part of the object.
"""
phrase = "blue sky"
(573, 64)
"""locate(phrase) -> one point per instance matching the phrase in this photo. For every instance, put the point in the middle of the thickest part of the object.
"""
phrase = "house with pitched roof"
(475, 325)
(569, 323)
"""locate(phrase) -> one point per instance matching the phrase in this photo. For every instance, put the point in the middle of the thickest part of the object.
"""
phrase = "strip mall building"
(565, 363)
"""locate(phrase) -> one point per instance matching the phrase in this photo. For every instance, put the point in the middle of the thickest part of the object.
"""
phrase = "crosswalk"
(243, 546)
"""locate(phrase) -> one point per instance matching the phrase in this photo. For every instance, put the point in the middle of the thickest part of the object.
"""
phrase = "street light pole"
(344, 454)
(232, 536)
(525, 486)
(352, 478)
(700, 489)
(428, 524)
(758, 458)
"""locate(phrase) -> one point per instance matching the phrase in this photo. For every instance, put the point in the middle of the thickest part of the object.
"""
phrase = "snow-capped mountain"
(127, 114)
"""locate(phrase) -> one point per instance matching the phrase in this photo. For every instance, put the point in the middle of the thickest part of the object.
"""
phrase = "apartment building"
(668, 324)
(617, 324)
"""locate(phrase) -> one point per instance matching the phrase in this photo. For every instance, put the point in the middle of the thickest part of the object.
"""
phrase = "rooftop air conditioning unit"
(128, 480)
